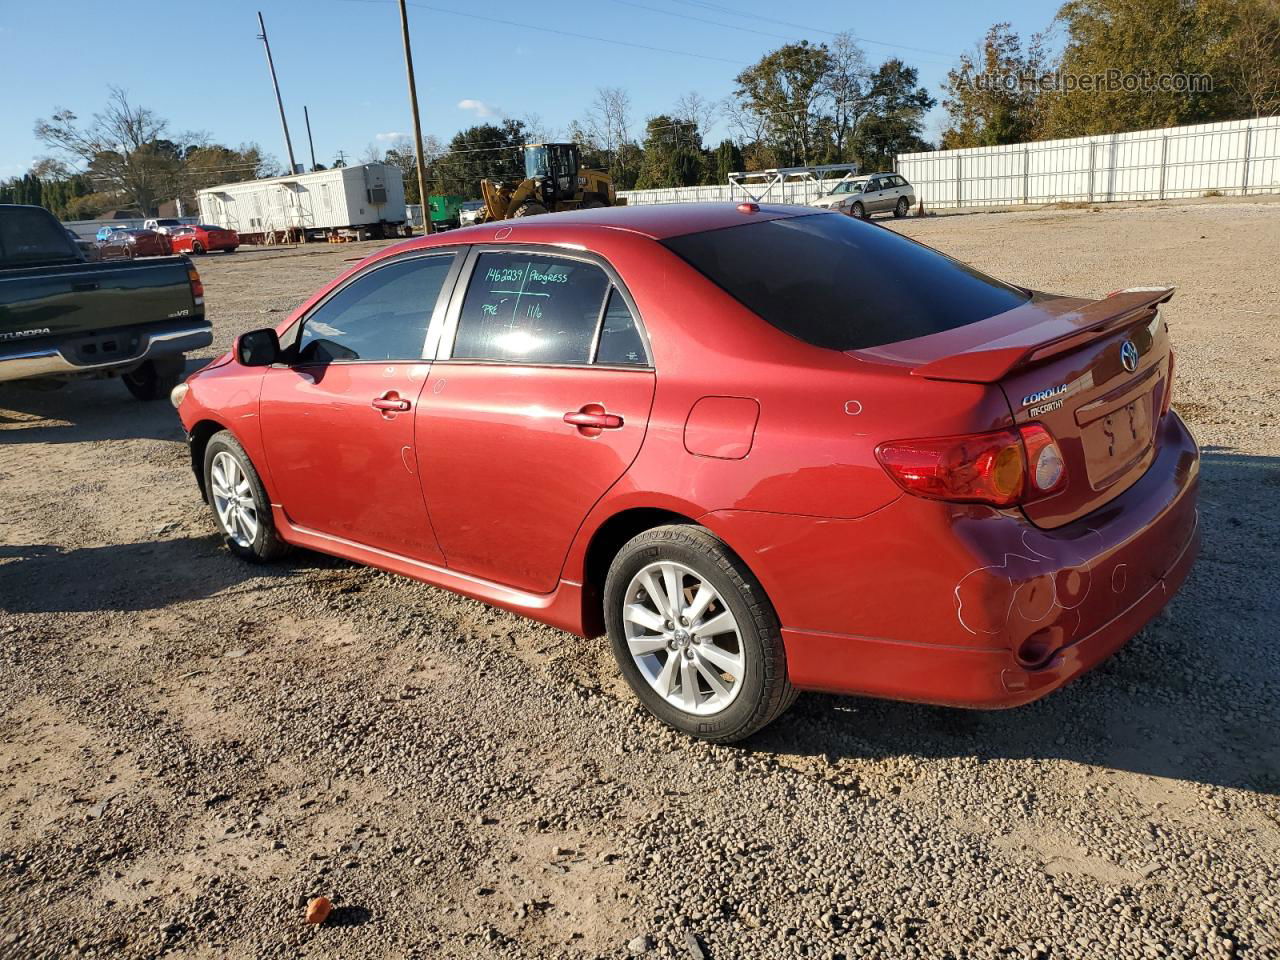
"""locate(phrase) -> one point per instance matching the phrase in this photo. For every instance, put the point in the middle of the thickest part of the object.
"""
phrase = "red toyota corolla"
(766, 449)
(201, 238)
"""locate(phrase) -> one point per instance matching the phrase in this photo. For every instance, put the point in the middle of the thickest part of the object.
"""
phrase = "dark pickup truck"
(62, 317)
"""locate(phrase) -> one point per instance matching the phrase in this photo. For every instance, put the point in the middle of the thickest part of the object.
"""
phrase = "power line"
(717, 8)
(565, 33)
(714, 23)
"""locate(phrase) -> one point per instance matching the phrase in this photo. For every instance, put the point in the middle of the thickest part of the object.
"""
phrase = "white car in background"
(468, 212)
(874, 193)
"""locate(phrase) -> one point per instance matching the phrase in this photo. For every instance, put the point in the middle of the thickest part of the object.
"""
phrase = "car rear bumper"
(67, 358)
(975, 677)
(961, 605)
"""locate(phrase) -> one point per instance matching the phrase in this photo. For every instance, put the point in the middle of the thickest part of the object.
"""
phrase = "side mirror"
(258, 348)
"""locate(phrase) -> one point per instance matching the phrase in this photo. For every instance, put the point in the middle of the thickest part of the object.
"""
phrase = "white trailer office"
(367, 199)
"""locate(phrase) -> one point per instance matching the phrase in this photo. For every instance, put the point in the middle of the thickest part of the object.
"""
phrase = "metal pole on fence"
(1026, 175)
(1164, 153)
(1244, 174)
(959, 179)
(1091, 168)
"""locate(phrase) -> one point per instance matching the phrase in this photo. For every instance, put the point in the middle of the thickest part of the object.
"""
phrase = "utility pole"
(310, 143)
(417, 123)
(288, 144)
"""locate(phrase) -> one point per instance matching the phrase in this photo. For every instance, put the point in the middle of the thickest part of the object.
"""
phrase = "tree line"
(1235, 44)
(801, 104)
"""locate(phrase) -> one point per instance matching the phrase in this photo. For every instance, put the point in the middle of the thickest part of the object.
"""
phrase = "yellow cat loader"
(554, 181)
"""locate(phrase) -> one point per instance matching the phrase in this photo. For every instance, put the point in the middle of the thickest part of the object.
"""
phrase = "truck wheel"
(694, 635)
(529, 209)
(240, 504)
(155, 378)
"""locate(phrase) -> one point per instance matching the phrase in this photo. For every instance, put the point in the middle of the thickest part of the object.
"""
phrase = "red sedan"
(201, 238)
(766, 449)
(133, 243)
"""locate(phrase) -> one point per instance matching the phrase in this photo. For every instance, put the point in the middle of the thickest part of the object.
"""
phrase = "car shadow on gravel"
(129, 577)
(1194, 697)
(83, 411)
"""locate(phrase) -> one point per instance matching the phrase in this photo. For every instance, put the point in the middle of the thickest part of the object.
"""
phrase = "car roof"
(658, 221)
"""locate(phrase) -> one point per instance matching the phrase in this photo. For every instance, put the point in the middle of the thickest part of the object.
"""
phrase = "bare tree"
(848, 85)
(124, 148)
(609, 122)
(536, 129)
(372, 153)
(1254, 60)
(695, 107)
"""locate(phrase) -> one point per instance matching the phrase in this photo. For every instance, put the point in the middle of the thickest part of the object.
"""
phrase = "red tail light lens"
(1168, 387)
(1002, 468)
(197, 288)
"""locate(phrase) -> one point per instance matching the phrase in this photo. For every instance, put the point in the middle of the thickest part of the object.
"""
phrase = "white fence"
(1235, 158)
(1238, 157)
(800, 192)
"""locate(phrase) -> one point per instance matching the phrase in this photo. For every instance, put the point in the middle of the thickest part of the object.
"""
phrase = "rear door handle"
(592, 418)
(391, 402)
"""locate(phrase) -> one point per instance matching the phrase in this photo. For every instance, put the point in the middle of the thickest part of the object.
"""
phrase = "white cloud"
(479, 107)
(391, 136)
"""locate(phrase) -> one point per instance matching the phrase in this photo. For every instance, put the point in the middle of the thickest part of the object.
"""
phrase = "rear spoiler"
(1038, 330)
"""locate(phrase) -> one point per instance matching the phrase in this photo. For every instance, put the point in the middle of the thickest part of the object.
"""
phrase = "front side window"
(529, 308)
(381, 315)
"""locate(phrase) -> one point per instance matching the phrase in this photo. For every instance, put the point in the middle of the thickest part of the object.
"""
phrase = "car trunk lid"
(1092, 372)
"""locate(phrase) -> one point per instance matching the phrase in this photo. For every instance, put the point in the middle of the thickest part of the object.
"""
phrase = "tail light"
(1168, 387)
(1002, 468)
(197, 288)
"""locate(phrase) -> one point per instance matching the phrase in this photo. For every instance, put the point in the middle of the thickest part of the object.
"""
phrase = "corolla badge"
(1129, 356)
(1042, 395)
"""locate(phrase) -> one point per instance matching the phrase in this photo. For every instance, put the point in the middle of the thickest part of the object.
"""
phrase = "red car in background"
(133, 243)
(201, 238)
(764, 448)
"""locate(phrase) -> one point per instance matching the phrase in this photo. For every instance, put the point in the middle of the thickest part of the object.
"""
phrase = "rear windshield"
(839, 283)
(31, 235)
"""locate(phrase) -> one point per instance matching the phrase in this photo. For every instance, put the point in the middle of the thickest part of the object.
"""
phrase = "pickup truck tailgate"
(77, 299)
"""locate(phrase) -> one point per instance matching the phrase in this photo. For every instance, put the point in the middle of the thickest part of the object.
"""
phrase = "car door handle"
(592, 417)
(391, 403)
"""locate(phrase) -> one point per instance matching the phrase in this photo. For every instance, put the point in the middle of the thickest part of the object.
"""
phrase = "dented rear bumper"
(967, 606)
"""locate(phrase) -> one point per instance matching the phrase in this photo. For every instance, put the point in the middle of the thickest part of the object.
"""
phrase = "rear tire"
(155, 379)
(900, 209)
(712, 668)
(529, 209)
(241, 508)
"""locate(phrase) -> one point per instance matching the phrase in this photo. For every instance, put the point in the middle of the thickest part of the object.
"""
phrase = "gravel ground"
(191, 747)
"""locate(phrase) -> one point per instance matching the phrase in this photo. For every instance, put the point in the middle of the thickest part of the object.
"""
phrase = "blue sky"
(201, 66)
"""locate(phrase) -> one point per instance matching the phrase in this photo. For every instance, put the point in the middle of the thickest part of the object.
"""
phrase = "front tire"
(196, 248)
(695, 636)
(859, 211)
(241, 508)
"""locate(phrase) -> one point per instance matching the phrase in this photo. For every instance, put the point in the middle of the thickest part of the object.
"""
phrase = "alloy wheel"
(233, 499)
(683, 638)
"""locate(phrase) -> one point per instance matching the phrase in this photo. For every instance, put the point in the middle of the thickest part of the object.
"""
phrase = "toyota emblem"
(1129, 356)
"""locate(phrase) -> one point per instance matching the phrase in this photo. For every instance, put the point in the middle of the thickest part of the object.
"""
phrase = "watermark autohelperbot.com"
(1104, 81)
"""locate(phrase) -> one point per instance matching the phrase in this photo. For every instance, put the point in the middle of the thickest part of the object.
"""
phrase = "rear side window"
(31, 235)
(843, 284)
(528, 308)
(381, 315)
(620, 342)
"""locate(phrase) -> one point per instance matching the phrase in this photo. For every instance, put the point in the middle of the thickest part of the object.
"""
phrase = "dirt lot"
(190, 746)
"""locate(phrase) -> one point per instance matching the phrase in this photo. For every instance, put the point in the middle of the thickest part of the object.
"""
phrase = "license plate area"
(1115, 441)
